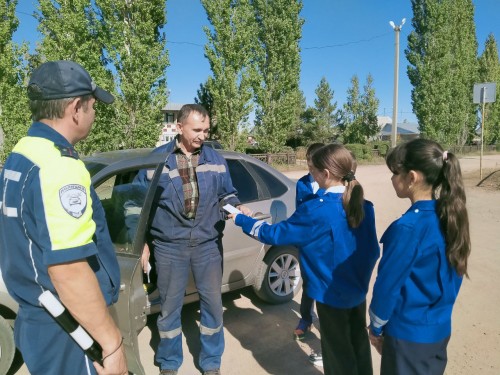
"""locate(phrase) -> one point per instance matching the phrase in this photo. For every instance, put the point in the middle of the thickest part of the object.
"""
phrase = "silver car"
(272, 271)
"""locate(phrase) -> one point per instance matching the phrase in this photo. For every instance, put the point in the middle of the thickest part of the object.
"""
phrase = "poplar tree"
(442, 52)
(489, 71)
(231, 42)
(277, 93)
(14, 112)
(358, 119)
(369, 109)
(135, 48)
(70, 31)
(322, 126)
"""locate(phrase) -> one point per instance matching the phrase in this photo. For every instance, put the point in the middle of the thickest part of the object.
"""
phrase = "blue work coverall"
(182, 244)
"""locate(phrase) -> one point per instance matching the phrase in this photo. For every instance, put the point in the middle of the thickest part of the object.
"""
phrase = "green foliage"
(442, 52)
(322, 118)
(358, 119)
(382, 147)
(121, 45)
(277, 91)
(135, 46)
(230, 50)
(70, 32)
(360, 151)
(14, 117)
(489, 71)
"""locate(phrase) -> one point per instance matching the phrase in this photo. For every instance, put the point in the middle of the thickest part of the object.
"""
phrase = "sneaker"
(316, 359)
(212, 372)
(302, 328)
(168, 372)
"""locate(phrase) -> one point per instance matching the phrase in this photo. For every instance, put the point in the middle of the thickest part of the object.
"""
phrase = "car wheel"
(278, 277)
(7, 346)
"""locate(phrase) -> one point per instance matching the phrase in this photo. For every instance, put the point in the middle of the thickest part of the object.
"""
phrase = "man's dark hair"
(188, 108)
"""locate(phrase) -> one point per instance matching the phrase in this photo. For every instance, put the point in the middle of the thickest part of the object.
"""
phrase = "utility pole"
(394, 129)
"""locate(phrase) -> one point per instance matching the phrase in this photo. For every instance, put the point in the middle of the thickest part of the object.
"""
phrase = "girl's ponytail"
(342, 164)
(452, 212)
(352, 201)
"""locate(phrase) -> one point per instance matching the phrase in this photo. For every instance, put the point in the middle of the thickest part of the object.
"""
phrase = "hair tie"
(349, 177)
(445, 155)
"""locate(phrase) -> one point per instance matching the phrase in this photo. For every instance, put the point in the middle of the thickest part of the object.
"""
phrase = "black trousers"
(400, 357)
(344, 340)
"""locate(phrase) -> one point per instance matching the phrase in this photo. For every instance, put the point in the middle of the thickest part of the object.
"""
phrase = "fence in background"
(288, 158)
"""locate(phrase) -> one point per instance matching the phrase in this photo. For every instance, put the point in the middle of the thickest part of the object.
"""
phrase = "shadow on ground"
(264, 330)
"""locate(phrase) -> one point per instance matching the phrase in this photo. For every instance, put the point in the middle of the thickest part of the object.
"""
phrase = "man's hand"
(78, 289)
(145, 258)
(115, 363)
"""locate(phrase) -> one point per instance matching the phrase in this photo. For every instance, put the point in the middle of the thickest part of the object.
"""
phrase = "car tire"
(7, 346)
(278, 277)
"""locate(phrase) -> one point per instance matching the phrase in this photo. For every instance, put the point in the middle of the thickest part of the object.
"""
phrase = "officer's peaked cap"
(64, 79)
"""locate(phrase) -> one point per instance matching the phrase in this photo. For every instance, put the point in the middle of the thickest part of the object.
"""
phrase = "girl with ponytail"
(423, 263)
(335, 232)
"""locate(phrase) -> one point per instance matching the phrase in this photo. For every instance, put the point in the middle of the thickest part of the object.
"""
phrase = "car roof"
(143, 156)
(110, 157)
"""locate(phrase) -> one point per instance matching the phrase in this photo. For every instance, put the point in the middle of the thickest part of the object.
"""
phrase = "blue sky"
(339, 39)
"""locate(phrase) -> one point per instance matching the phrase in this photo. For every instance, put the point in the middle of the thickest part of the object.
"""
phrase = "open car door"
(127, 206)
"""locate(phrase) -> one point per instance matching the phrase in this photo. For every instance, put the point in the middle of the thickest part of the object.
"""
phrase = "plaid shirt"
(186, 166)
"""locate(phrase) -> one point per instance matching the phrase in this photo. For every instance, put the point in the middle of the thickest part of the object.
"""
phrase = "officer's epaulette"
(67, 151)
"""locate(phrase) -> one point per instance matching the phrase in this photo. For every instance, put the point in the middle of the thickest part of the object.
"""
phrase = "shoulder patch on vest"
(73, 199)
(67, 151)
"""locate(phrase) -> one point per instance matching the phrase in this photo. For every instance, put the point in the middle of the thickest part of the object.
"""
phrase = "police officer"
(53, 233)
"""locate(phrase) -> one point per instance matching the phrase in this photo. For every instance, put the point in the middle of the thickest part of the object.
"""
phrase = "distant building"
(169, 123)
(406, 130)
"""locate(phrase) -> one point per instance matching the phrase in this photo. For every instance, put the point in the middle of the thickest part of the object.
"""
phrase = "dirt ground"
(259, 336)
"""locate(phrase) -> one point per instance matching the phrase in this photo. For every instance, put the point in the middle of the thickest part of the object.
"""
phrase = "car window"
(122, 201)
(243, 182)
(272, 184)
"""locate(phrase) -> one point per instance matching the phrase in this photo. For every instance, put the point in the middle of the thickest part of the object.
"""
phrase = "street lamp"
(394, 129)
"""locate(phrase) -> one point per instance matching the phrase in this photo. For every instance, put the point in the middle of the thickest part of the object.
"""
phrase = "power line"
(349, 43)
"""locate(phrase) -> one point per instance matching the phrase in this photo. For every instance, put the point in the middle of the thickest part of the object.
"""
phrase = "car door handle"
(261, 216)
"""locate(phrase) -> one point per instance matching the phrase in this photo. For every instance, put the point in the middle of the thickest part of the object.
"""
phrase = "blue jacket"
(170, 224)
(50, 215)
(304, 190)
(337, 260)
(416, 286)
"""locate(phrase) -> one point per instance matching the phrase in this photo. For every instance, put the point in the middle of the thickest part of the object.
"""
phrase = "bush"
(382, 147)
(301, 152)
(498, 147)
(356, 149)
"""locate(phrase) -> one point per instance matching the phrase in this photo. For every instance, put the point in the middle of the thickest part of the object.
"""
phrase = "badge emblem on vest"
(73, 199)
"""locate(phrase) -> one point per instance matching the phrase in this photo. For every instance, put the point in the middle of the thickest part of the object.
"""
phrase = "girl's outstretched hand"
(232, 216)
(376, 341)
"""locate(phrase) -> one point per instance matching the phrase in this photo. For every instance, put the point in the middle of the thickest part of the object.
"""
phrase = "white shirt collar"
(335, 189)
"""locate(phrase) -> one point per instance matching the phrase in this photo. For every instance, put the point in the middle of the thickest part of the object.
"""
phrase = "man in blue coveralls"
(53, 233)
(186, 233)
